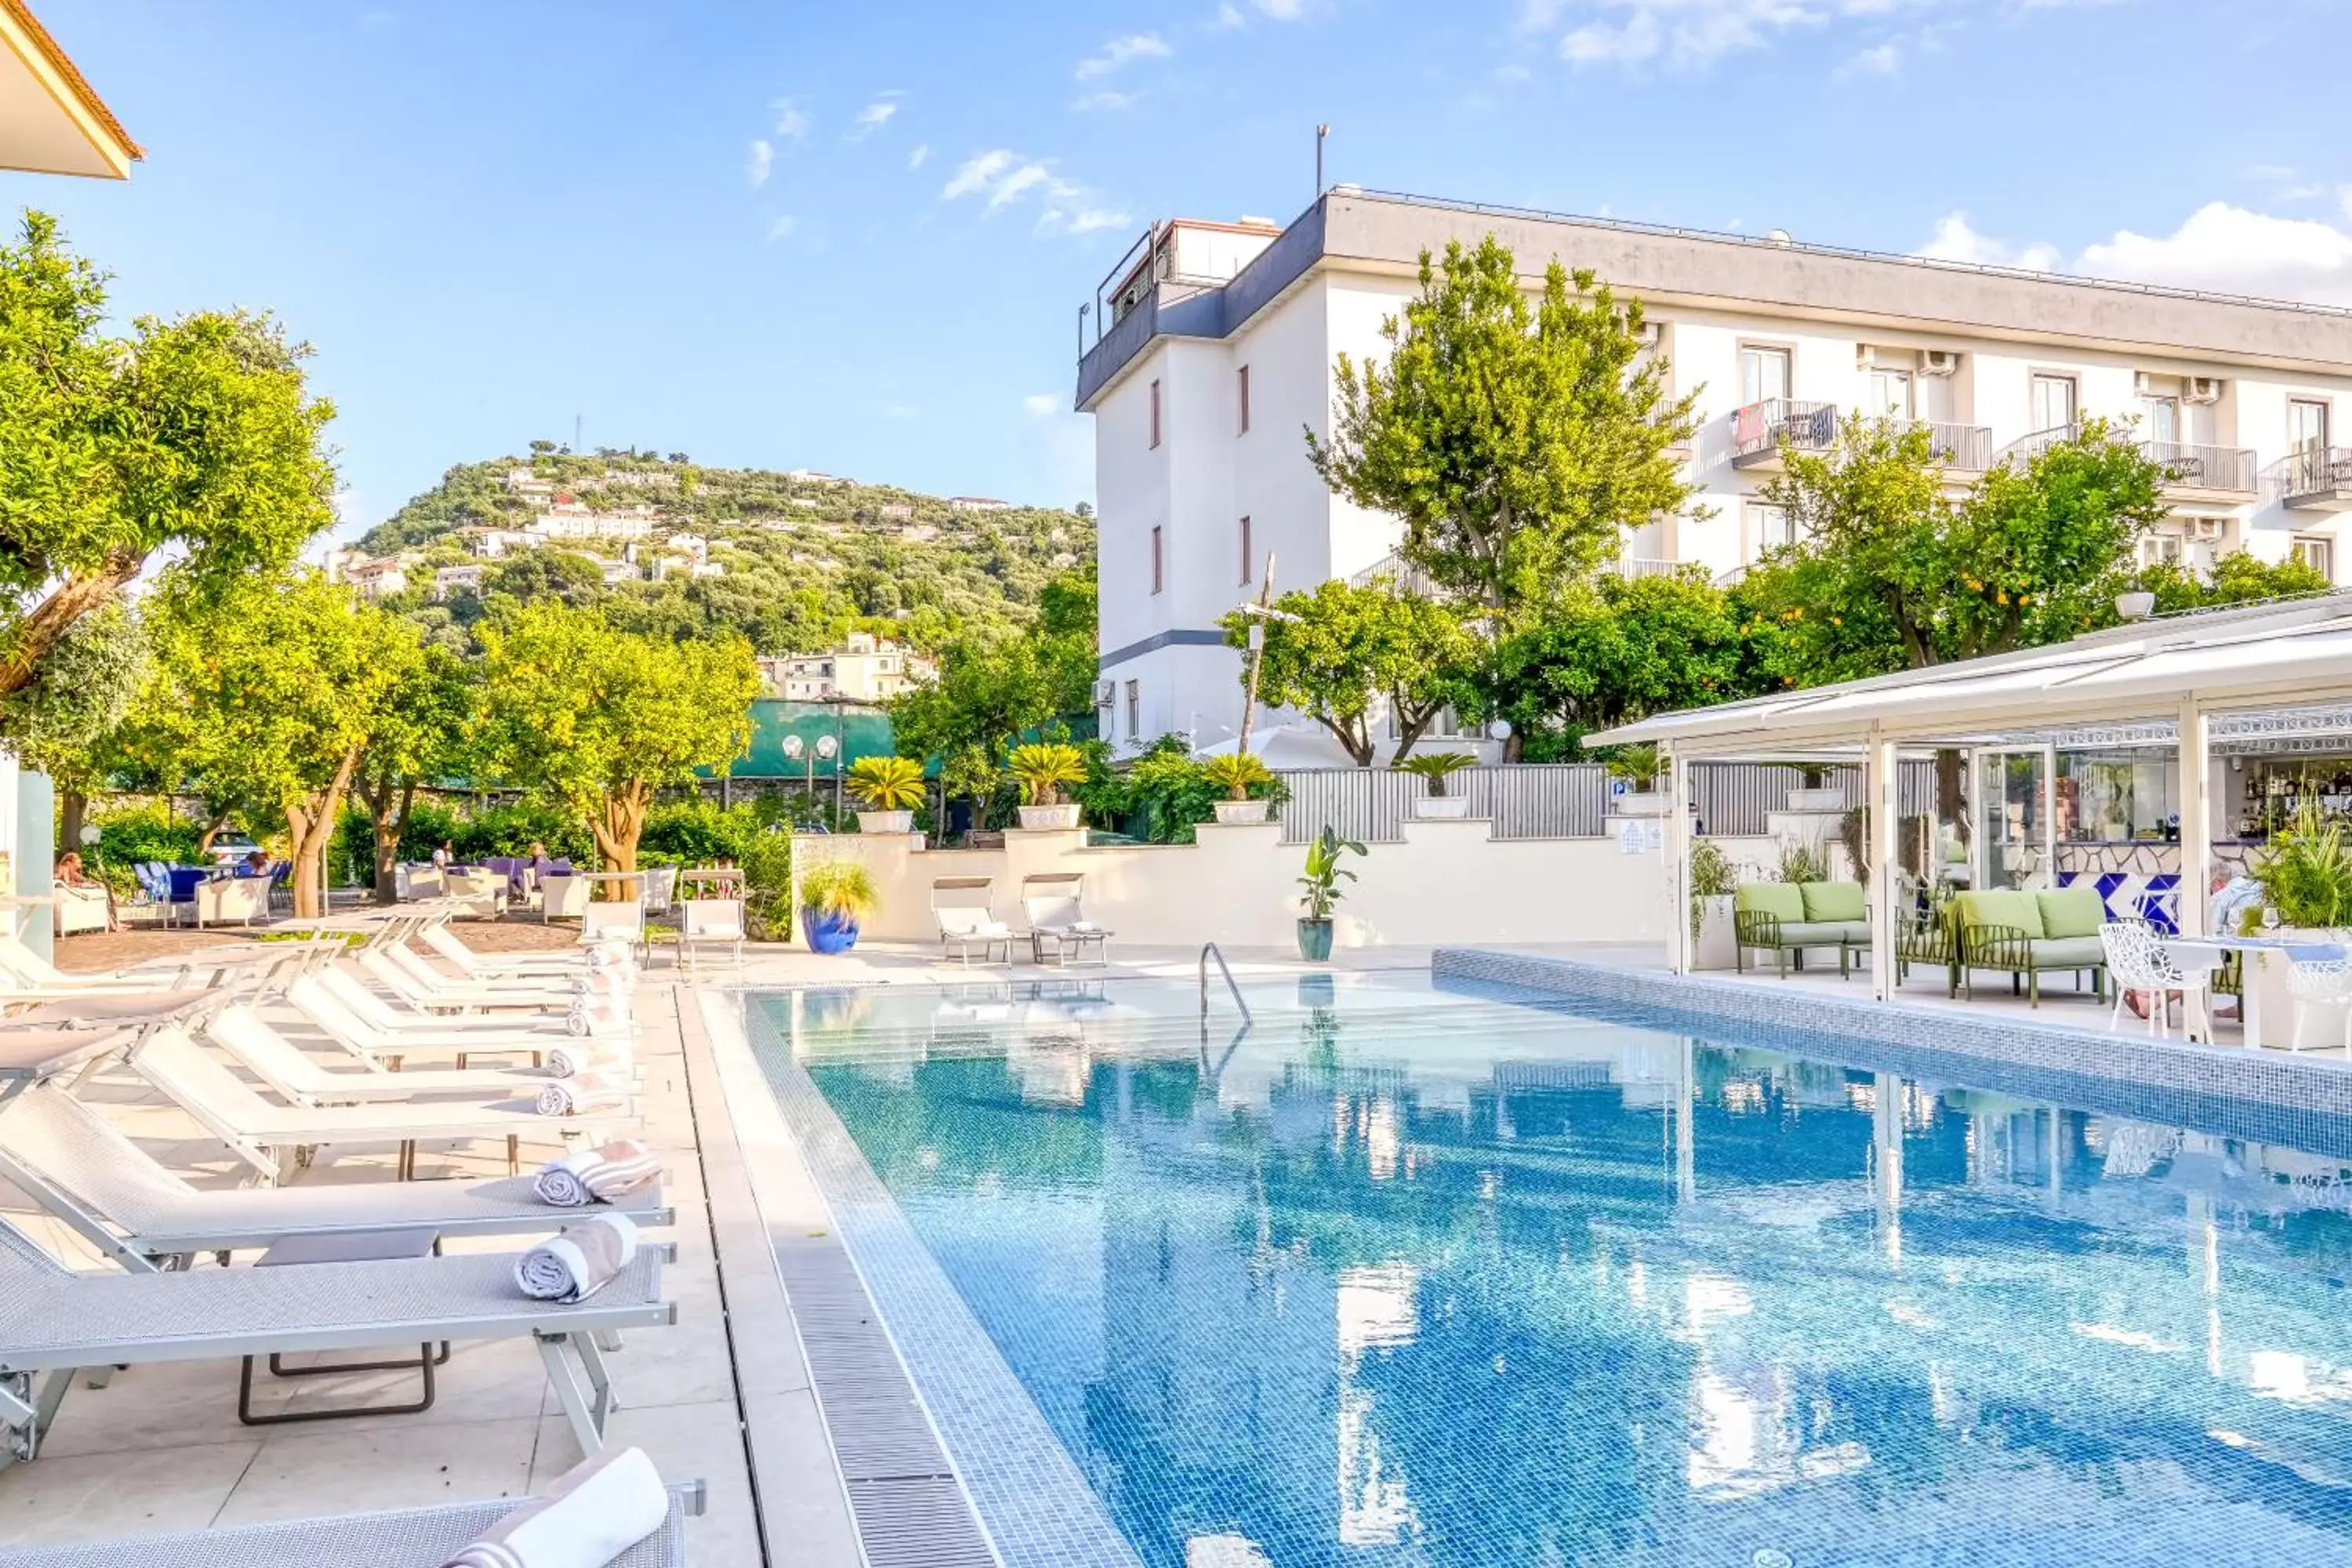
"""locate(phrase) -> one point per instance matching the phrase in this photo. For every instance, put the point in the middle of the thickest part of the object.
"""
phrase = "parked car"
(230, 848)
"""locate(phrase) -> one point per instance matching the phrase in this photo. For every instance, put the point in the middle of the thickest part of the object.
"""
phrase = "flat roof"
(52, 122)
(1387, 231)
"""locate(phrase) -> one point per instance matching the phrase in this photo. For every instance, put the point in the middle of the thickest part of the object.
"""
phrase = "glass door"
(2015, 826)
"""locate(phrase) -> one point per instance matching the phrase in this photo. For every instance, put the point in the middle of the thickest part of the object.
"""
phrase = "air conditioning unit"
(1105, 693)
(1939, 362)
(1650, 334)
(1866, 357)
(2202, 388)
(2205, 529)
(2143, 385)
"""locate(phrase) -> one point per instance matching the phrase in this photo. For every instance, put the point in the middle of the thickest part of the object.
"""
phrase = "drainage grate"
(911, 1511)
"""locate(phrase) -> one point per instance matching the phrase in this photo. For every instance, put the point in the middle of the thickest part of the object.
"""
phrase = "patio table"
(2207, 953)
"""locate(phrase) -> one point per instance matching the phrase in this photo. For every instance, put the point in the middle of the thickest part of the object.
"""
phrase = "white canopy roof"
(2292, 654)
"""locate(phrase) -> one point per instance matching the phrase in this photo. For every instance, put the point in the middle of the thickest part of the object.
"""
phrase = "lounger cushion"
(1812, 933)
(2000, 907)
(2073, 911)
(1781, 901)
(1834, 900)
(2068, 953)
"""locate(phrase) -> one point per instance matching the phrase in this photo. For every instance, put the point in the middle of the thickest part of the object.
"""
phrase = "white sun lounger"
(379, 1048)
(69, 1159)
(438, 936)
(260, 1132)
(399, 1017)
(400, 971)
(55, 1320)
(293, 1075)
(419, 1536)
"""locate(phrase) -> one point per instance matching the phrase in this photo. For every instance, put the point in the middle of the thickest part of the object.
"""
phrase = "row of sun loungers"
(391, 1039)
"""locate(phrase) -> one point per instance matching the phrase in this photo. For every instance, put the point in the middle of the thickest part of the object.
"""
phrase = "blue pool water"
(1408, 1277)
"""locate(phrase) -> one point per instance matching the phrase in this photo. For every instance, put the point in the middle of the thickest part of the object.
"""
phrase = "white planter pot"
(1039, 817)
(2134, 607)
(1234, 813)
(1714, 949)
(1817, 800)
(886, 822)
(1642, 802)
(1442, 807)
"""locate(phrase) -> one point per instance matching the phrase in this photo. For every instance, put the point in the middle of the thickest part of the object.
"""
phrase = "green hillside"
(804, 558)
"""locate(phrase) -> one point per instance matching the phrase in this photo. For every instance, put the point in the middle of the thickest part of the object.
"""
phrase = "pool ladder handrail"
(1208, 952)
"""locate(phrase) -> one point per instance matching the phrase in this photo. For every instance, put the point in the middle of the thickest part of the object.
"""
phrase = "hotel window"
(1769, 528)
(1155, 414)
(2162, 550)
(2306, 425)
(2159, 420)
(1159, 574)
(1135, 709)
(1890, 395)
(1245, 551)
(2317, 553)
(1242, 378)
(1763, 375)
(2053, 402)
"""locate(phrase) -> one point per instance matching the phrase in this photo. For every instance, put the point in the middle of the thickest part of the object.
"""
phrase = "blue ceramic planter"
(828, 932)
(1315, 941)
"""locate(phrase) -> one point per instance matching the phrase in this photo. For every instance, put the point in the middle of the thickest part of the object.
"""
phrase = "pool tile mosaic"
(1438, 1277)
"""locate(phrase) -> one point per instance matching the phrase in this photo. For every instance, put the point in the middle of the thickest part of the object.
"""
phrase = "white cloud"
(782, 228)
(1881, 59)
(1512, 74)
(1956, 241)
(1229, 15)
(1119, 51)
(1692, 35)
(2231, 249)
(1282, 10)
(791, 121)
(1004, 179)
(920, 156)
(1041, 405)
(1100, 102)
(761, 164)
(872, 118)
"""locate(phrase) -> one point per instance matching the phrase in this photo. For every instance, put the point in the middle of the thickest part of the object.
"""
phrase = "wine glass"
(2269, 918)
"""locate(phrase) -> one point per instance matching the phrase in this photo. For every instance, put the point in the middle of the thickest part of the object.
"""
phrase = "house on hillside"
(449, 580)
(374, 577)
(979, 503)
(863, 669)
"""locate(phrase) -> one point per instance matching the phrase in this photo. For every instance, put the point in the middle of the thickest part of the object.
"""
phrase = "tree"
(421, 734)
(1517, 443)
(63, 722)
(596, 721)
(1609, 653)
(268, 696)
(196, 433)
(1341, 655)
(2237, 578)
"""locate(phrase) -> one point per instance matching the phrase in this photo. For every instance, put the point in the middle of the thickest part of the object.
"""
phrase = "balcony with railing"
(1967, 447)
(1759, 430)
(2195, 472)
(2318, 479)
(2025, 449)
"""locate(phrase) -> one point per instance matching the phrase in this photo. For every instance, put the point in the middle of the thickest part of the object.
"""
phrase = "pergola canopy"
(2295, 654)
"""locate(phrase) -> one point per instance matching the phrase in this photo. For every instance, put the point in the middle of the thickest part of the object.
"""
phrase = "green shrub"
(2306, 872)
(767, 860)
(127, 837)
(839, 888)
(695, 833)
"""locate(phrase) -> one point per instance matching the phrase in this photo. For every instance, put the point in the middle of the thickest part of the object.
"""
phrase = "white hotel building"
(1219, 342)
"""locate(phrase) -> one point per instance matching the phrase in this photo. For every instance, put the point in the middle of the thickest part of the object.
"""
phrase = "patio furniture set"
(1052, 905)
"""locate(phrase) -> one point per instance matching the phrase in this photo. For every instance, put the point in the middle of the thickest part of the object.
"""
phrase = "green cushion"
(1834, 900)
(2071, 911)
(1854, 932)
(1781, 901)
(2000, 907)
(1812, 933)
(2068, 953)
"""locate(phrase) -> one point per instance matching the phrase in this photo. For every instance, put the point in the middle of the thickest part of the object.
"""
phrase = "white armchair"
(562, 898)
(244, 899)
(79, 908)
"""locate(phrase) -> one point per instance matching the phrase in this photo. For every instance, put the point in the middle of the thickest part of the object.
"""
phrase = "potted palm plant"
(1321, 885)
(1813, 791)
(1436, 767)
(1237, 774)
(836, 896)
(1639, 766)
(1042, 769)
(891, 788)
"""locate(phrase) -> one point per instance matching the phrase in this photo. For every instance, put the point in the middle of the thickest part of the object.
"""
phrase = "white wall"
(1446, 883)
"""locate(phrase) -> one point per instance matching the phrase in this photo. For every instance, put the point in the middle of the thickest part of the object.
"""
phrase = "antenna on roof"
(1320, 132)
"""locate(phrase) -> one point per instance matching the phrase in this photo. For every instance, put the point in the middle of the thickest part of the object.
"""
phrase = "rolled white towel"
(572, 1058)
(581, 1261)
(582, 1096)
(595, 1512)
(597, 1175)
(588, 1020)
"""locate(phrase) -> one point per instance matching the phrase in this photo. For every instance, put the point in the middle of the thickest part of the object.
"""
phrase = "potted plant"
(1237, 774)
(1042, 769)
(836, 896)
(1639, 766)
(2136, 606)
(1813, 791)
(891, 788)
(1712, 882)
(1321, 883)
(1437, 767)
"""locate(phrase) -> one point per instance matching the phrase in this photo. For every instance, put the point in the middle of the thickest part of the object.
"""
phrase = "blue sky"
(855, 237)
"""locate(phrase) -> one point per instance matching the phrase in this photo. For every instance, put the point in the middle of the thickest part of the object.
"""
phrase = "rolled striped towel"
(571, 1059)
(581, 1261)
(597, 1175)
(583, 1095)
(587, 1019)
(595, 1512)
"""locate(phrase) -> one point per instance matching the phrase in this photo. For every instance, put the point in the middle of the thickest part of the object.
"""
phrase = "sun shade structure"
(2270, 676)
(52, 122)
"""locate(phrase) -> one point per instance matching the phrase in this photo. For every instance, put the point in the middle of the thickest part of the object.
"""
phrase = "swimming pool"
(1409, 1275)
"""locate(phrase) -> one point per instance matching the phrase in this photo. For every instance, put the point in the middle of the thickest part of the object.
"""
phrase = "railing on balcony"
(2199, 467)
(2025, 449)
(1632, 566)
(1759, 430)
(2314, 474)
(1955, 446)
(1401, 577)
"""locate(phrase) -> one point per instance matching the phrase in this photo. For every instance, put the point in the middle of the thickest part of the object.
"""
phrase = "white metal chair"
(2137, 961)
(2316, 983)
(709, 923)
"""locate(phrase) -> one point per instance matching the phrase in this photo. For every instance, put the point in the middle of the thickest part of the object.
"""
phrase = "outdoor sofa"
(2029, 933)
(1788, 918)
